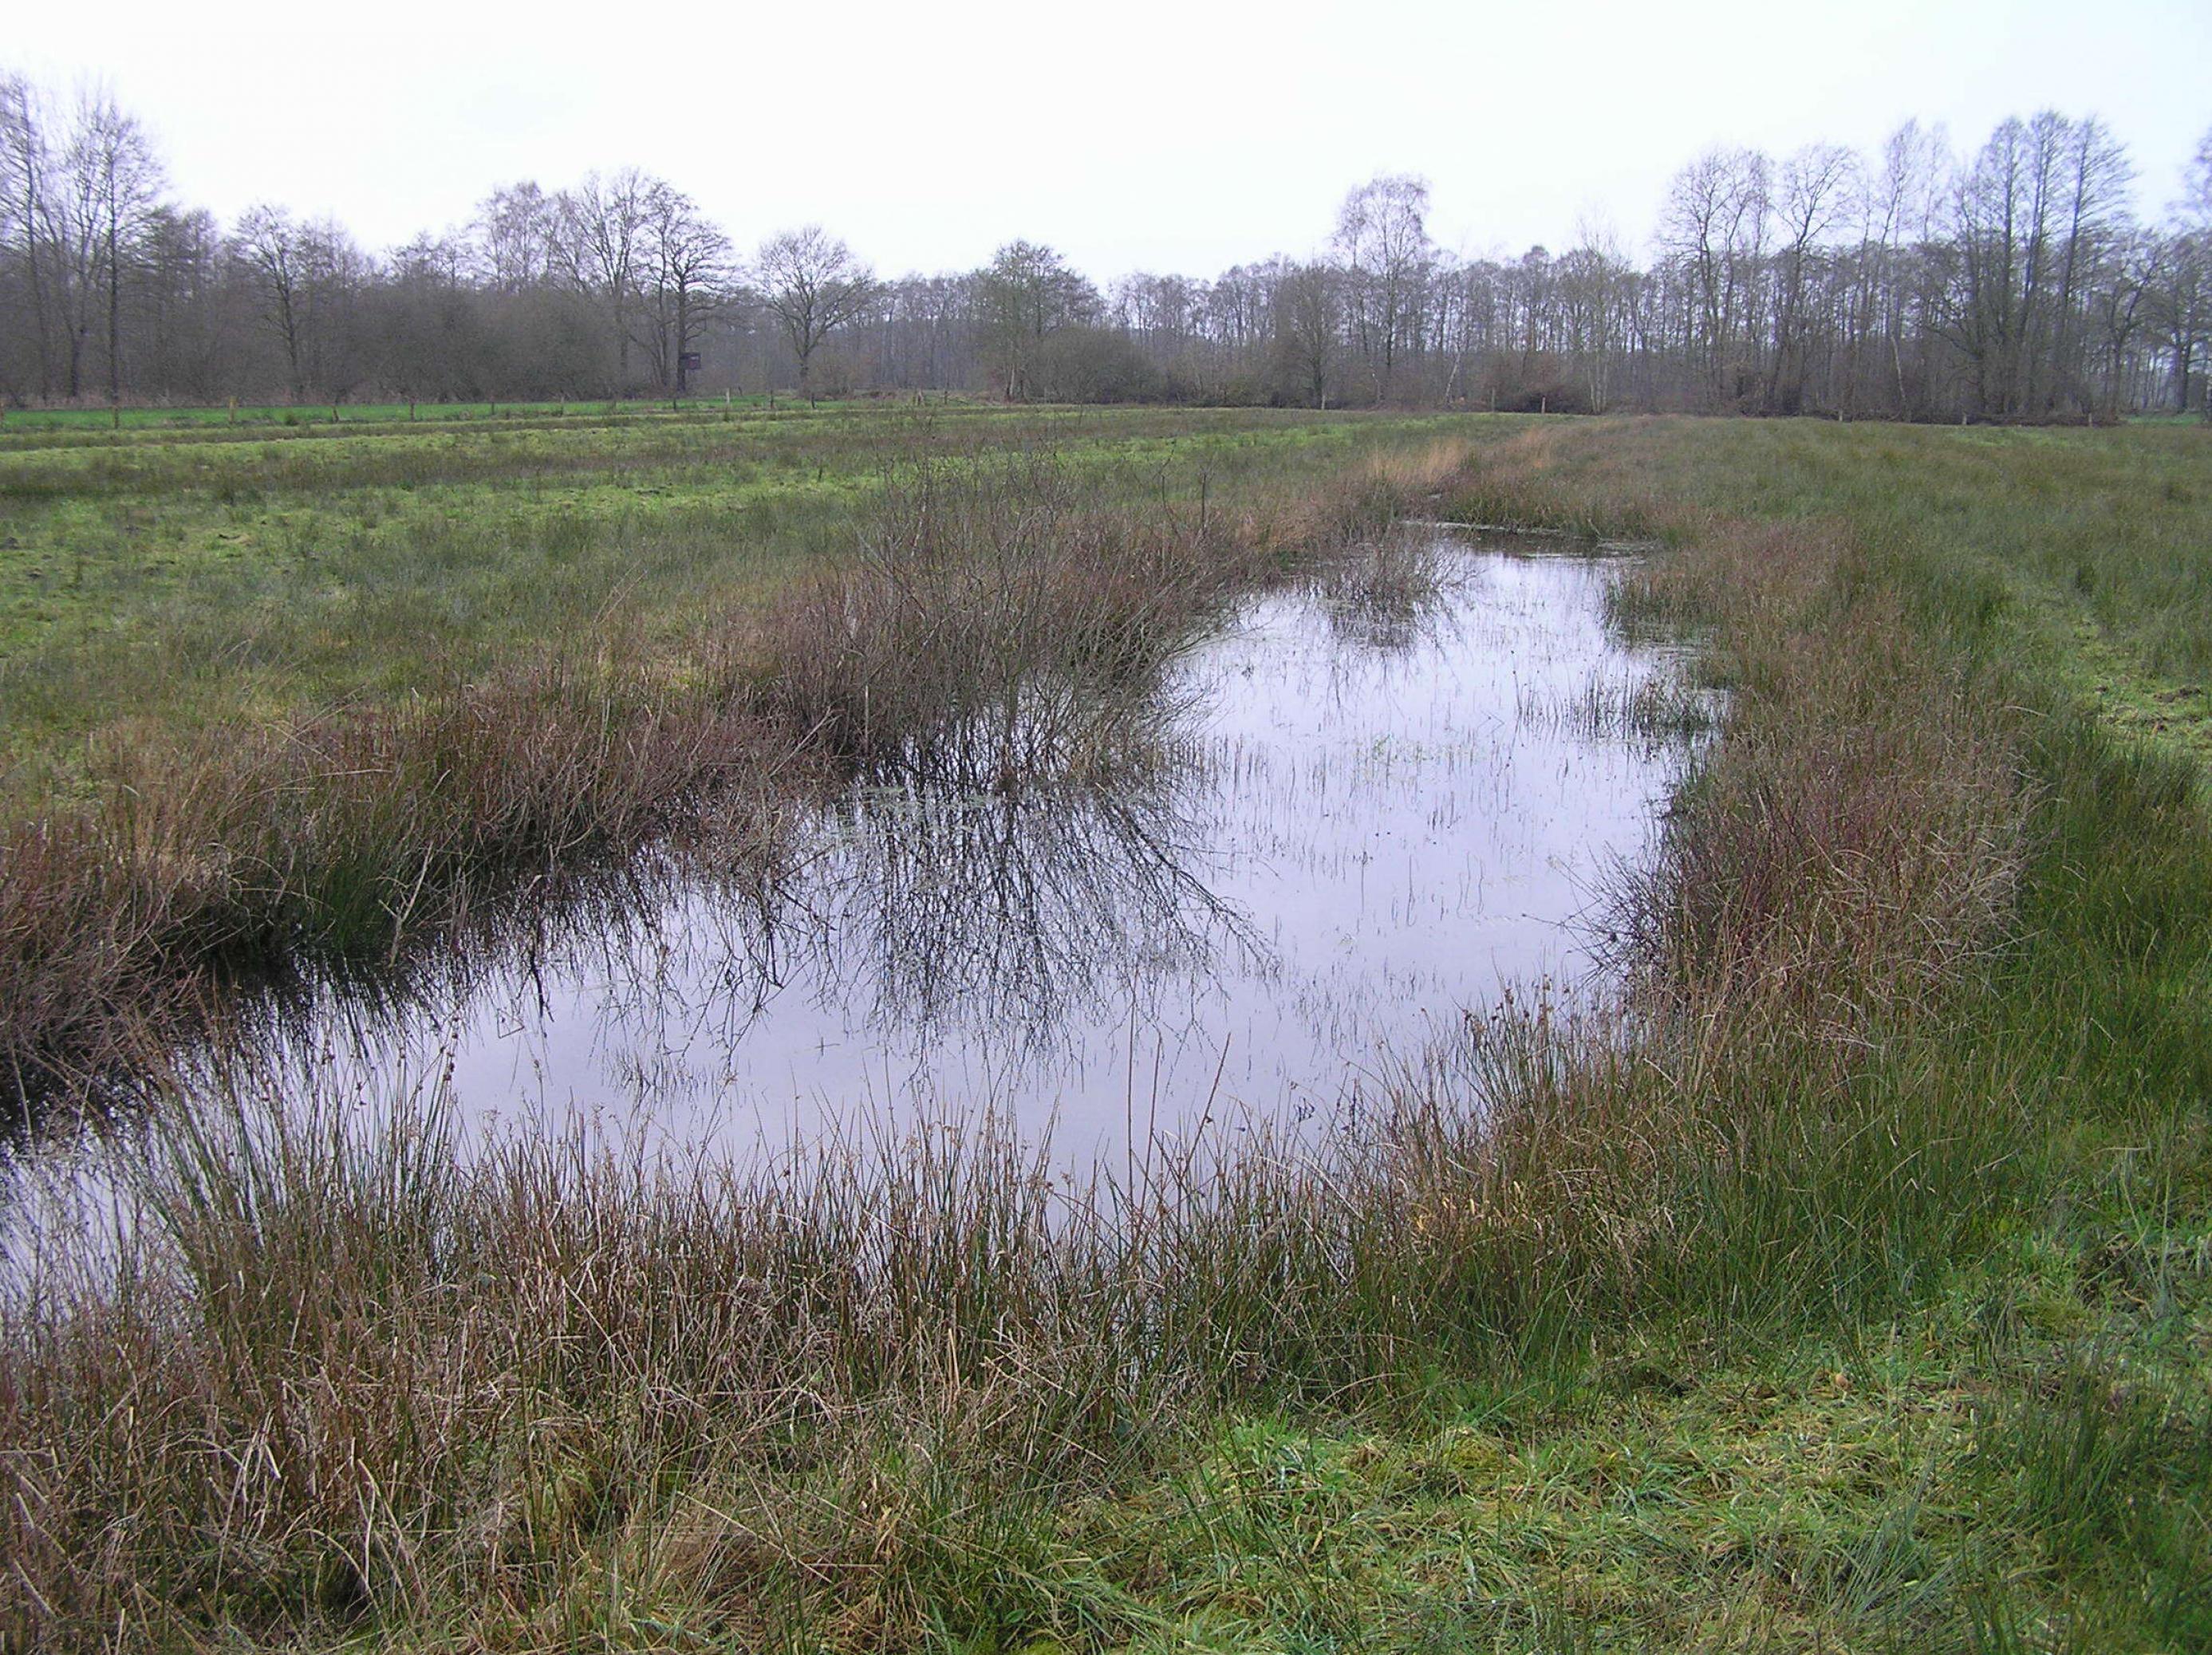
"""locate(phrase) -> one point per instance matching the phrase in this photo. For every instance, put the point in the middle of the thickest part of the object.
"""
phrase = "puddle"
(1373, 820)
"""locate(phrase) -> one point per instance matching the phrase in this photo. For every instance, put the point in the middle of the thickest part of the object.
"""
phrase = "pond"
(1369, 820)
(1373, 815)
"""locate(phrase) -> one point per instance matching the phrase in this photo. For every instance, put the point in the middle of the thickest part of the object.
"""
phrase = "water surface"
(1370, 821)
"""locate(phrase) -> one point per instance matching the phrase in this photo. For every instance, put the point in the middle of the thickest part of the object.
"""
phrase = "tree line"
(2015, 281)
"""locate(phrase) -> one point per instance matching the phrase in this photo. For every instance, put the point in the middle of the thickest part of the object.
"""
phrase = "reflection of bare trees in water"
(925, 909)
(1014, 912)
(913, 908)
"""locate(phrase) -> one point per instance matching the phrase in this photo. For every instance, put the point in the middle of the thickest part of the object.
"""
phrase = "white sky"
(1184, 135)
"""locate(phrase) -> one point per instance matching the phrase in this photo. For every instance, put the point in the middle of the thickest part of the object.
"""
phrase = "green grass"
(292, 415)
(1914, 1487)
(177, 584)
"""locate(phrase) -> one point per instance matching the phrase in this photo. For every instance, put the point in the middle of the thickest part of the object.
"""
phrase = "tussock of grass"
(991, 628)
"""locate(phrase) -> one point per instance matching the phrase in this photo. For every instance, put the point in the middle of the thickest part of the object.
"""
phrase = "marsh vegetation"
(1837, 1274)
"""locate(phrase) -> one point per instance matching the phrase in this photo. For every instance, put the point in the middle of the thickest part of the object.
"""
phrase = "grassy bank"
(1853, 1290)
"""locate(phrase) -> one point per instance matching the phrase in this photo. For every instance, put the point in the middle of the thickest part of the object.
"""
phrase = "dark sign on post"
(689, 361)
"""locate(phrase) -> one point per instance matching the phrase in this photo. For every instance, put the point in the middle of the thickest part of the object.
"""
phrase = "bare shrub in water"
(1000, 622)
(1382, 588)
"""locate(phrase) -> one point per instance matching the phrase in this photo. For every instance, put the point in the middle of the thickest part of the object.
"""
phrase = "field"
(189, 576)
(1851, 1288)
(80, 422)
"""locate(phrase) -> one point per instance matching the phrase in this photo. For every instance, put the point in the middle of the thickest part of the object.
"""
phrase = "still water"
(1368, 823)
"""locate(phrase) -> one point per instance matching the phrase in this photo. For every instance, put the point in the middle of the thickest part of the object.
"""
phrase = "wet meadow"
(890, 1027)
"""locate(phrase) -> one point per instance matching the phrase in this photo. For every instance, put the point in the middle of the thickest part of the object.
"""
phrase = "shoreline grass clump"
(994, 625)
(342, 841)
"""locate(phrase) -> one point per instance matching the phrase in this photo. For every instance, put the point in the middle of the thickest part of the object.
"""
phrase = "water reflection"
(1026, 914)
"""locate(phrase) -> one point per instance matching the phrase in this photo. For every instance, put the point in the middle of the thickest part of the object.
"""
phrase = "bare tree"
(2181, 296)
(1024, 296)
(2095, 173)
(1595, 285)
(599, 249)
(2124, 307)
(923, 330)
(2041, 198)
(1818, 184)
(1998, 233)
(308, 279)
(1383, 241)
(1715, 225)
(1309, 322)
(2196, 204)
(268, 244)
(26, 208)
(425, 341)
(812, 284)
(2181, 309)
(1897, 208)
(689, 261)
(515, 235)
(103, 194)
(125, 180)
(183, 307)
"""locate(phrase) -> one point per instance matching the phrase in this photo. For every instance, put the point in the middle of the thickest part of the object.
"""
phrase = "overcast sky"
(1183, 135)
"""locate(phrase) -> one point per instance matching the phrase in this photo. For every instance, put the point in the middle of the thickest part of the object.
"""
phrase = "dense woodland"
(2015, 282)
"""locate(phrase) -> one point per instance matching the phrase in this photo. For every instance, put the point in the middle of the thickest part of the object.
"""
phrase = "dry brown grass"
(348, 837)
(1860, 839)
(1857, 840)
(995, 624)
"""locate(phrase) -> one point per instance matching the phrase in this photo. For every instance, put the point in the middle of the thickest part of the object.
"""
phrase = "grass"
(1907, 1492)
(1848, 1290)
(2097, 553)
(291, 416)
(174, 583)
